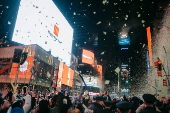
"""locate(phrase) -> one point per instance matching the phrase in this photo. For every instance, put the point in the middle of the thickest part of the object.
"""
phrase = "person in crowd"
(113, 108)
(73, 109)
(123, 107)
(54, 104)
(17, 107)
(78, 105)
(148, 106)
(106, 95)
(135, 104)
(108, 105)
(124, 98)
(43, 107)
(4, 105)
(97, 106)
(66, 102)
(168, 105)
(87, 98)
(60, 98)
(160, 107)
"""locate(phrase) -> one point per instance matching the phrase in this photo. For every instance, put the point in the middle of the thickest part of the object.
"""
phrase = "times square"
(84, 56)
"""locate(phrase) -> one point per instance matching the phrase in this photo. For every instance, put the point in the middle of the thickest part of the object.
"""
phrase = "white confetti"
(9, 22)
(104, 32)
(138, 15)
(143, 21)
(102, 53)
(99, 22)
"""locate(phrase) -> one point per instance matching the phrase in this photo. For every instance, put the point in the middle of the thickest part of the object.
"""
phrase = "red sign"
(88, 57)
(60, 73)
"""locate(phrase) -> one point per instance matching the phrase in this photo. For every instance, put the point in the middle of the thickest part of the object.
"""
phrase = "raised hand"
(4, 91)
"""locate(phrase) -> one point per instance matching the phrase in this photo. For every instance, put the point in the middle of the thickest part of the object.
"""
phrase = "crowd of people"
(60, 101)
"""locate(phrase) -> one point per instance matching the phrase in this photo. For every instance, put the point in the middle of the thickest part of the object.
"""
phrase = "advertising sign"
(60, 73)
(40, 22)
(124, 40)
(71, 76)
(88, 57)
(148, 31)
(99, 70)
(65, 75)
(24, 70)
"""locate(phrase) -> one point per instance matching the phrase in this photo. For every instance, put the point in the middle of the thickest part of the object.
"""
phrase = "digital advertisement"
(40, 22)
(124, 40)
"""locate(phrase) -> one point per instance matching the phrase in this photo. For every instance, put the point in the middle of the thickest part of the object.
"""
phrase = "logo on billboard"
(56, 30)
(88, 57)
(24, 66)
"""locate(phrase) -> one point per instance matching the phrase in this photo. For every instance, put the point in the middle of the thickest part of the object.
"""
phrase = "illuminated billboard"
(40, 22)
(124, 40)
(87, 57)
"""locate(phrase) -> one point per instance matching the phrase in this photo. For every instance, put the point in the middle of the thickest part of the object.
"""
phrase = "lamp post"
(117, 70)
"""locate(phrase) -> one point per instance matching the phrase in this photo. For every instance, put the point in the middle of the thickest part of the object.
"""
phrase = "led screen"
(124, 40)
(87, 57)
(40, 22)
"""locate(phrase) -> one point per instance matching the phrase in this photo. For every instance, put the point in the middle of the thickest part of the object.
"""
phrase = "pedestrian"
(108, 105)
(123, 107)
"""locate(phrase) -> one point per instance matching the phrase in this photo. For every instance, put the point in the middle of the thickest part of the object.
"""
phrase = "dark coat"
(134, 107)
(97, 108)
(149, 110)
(65, 107)
(107, 111)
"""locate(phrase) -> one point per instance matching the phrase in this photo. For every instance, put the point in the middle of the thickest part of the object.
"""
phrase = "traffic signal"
(156, 64)
(165, 82)
(159, 72)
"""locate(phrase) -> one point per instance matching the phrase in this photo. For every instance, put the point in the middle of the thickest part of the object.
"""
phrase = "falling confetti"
(99, 22)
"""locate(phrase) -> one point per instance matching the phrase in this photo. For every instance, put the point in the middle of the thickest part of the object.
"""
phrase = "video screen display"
(124, 40)
(41, 22)
(87, 57)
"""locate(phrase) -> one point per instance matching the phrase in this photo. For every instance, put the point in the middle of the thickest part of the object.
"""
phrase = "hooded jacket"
(17, 110)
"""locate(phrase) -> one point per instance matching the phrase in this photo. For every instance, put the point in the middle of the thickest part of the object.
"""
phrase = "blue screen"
(124, 40)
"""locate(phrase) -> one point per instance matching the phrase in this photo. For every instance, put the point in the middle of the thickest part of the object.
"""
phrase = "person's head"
(54, 100)
(124, 107)
(135, 99)
(158, 104)
(43, 107)
(77, 101)
(114, 100)
(9, 96)
(18, 103)
(108, 104)
(66, 93)
(149, 99)
(167, 102)
(99, 100)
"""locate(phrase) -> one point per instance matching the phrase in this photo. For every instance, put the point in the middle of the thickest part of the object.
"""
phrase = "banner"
(71, 72)
(88, 57)
(148, 30)
(65, 75)
(60, 73)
